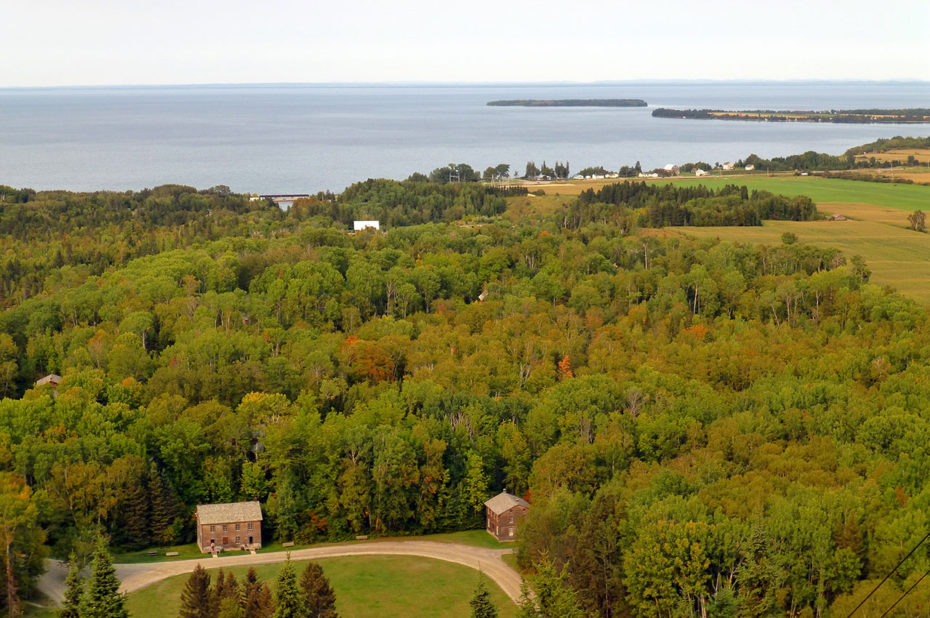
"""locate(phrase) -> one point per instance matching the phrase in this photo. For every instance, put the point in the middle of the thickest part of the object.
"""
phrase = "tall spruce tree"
(135, 525)
(481, 604)
(71, 606)
(102, 598)
(165, 507)
(319, 597)
(256, 597)
(197, 598)
(288, 600)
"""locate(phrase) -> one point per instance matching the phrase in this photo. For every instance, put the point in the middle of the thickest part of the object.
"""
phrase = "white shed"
(358, 226)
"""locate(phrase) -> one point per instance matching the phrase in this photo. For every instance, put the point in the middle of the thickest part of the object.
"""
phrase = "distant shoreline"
(849, 116)
(568, 103)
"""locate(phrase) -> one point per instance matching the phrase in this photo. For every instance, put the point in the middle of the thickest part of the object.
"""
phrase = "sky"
(115, 42)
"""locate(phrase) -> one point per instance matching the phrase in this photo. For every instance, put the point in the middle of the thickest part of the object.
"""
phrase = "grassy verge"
(476, 538)
(384, 586)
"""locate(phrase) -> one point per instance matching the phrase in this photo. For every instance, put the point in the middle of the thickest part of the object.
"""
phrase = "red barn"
(504, 512)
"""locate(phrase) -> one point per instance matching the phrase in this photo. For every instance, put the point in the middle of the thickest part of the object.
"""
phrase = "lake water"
(306, 138)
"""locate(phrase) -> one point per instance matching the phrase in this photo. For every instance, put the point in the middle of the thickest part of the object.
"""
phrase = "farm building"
(237, 525)
(699, 172)
(504, 512)
(358, 226)
(671, 168)
(51, 379)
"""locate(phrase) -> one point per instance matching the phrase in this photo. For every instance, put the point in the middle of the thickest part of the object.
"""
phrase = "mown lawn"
(365, 586)
(897, 196)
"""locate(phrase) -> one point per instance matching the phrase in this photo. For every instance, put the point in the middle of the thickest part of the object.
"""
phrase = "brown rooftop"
(228, 513)
(504, 501)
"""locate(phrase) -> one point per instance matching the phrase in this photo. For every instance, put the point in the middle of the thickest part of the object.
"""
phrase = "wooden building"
(51, 379)
(237, 525)
(504, 512)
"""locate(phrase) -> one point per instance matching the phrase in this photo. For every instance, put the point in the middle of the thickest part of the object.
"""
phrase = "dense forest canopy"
(701, 427)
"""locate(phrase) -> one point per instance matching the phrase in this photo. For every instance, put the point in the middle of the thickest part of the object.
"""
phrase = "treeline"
(891, 143)
(849, 116)
(410, 202)
(672, 205)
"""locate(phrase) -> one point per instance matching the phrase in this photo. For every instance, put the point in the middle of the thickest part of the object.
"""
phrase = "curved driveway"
(139, 575)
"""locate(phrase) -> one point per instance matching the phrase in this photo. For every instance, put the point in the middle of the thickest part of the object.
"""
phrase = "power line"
(906, 592)
(896, 567)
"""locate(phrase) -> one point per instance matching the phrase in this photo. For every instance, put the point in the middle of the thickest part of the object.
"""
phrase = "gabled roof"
(228, 513)
(49, 379)
(503, 502)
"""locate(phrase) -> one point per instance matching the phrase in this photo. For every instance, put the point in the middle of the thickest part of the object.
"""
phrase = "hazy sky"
(66, 42)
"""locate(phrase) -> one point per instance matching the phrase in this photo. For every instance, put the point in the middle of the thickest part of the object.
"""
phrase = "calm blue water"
(308, 138)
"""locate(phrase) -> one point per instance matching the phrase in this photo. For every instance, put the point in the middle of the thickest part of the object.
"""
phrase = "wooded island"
(855, 116)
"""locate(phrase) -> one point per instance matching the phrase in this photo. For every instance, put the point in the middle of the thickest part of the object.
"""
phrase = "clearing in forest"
(365, 586)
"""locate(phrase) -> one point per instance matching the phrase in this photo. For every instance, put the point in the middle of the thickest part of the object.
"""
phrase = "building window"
(237, 527)
(249, 525)
(212, 528)
(225, 527)
(237, 541)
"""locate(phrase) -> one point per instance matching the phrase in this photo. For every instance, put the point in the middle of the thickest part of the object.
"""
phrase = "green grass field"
(365, 586)
(897, 196)
(898, 257)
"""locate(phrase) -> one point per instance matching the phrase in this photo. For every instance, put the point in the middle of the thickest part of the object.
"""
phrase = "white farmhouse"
(358, 226)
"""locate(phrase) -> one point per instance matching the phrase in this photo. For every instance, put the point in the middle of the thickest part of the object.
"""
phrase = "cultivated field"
(365, 586)
(901, 154)
(898, 257)
(906, 197)
(877, 231)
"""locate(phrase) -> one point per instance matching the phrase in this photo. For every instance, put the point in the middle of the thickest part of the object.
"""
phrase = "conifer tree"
(197, 599)
(71, 607)
(319, 597)
(134, 514)
(481, 604)
(101, 596)
(226, 587)
(256, 597)
(165, 507)
(288, 600)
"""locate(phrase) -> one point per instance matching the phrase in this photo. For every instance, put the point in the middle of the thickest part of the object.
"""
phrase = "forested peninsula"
(568, 103)
(700, 427)
(853, 116)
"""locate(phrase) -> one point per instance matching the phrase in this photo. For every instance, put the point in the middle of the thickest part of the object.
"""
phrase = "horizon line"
(492, 83)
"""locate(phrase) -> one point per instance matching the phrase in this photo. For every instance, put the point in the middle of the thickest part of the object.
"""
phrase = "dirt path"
(140, 575)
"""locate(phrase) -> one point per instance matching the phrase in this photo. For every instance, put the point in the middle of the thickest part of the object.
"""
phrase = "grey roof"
(49, 379)
(228, 513)
(503, 502)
